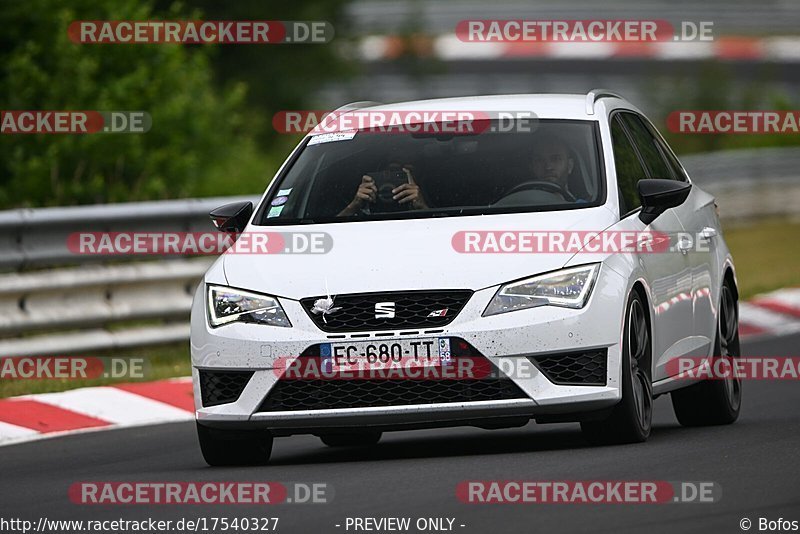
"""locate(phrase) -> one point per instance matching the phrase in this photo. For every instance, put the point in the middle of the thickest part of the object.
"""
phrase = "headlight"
(569, 288)
(228, 305)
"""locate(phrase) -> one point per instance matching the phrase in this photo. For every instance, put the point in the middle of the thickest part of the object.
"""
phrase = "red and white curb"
(449, 47)
(771, 314)
(44, 415)
(31, 417)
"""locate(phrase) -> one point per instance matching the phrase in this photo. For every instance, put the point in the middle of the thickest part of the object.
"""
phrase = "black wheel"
(359, 439)
(715, 402)
(630, 420)
(234, 447)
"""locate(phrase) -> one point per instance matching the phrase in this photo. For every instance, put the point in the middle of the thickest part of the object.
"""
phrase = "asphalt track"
(414, 474)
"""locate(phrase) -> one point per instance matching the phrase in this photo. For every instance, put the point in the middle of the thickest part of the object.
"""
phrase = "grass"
(766, 254)
(166, 361)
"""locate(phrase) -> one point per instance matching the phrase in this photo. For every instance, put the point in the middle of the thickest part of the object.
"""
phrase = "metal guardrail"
(98, 295)
(744, 168)
(749, 184)
(71, 308)
(93, 299)
(38, 237)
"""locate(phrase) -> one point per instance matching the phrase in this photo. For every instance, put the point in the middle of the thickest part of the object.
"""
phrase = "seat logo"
(324, 307)
(384, 310)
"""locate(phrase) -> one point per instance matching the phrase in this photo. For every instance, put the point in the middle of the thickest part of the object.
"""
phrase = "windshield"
(357, 176)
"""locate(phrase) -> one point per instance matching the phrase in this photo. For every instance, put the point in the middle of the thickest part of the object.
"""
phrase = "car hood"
(404, 255)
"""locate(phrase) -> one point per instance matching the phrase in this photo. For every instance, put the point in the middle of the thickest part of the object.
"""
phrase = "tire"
(360, 439)
(234, 447)
(715, 402)
(631, 419)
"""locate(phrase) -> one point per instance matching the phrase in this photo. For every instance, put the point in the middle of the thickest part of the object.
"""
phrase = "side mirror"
(232, 217)
(658, 195)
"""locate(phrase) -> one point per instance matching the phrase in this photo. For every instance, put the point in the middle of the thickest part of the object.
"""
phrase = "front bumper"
(504, 339)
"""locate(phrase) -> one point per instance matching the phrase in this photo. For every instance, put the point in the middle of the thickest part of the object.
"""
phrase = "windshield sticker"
(279, 201)
(284, 192)
(274, 211)
(331, 137)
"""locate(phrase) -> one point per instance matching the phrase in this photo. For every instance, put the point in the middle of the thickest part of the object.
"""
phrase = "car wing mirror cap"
(232, 217)
(657, 196)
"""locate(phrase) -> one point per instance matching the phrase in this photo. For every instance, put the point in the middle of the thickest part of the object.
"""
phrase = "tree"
(202, 140)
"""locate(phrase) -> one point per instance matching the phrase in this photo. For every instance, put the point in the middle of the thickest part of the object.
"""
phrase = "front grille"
(408, 309)
(574, 368)
(221, 387)
(291, 395)
(321, 394)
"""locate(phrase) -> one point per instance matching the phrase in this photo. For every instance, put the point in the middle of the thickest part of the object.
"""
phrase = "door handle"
(684, 244)
(709, 232)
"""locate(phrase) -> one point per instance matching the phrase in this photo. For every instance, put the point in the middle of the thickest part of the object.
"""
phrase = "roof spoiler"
(596, 94)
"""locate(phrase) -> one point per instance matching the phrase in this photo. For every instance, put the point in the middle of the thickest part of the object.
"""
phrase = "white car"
(429, 261)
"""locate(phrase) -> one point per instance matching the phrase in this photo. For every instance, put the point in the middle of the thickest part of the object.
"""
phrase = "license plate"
(385, 354)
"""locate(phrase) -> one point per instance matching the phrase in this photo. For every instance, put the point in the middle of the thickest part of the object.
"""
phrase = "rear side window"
(648, 147)
(677, 168)
(629, 168)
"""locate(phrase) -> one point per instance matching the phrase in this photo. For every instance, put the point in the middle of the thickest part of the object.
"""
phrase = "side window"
(648, 147)
(677, 169)
(629, 168)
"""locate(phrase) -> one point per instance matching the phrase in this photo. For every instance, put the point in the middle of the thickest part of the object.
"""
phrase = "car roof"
(544, 105)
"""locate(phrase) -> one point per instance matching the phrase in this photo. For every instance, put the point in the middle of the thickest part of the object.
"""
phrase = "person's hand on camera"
(366, 194)
(409, 193)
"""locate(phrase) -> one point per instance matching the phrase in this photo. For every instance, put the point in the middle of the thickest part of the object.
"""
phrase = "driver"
(552, 162)
(367, 192)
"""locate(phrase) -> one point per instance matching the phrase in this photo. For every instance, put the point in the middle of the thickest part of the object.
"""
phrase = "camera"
(386, 182)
